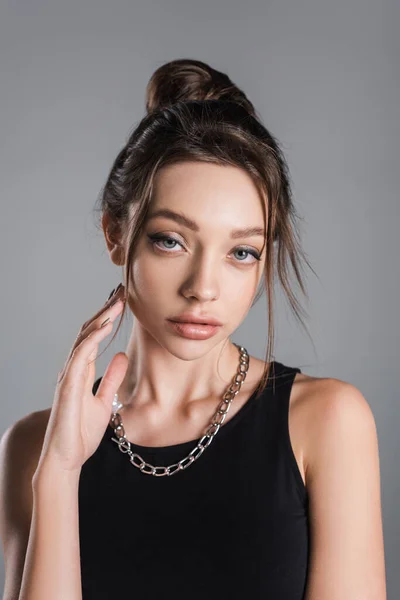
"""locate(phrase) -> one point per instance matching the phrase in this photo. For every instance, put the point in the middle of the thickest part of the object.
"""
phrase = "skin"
(204, 271)
(172, 386)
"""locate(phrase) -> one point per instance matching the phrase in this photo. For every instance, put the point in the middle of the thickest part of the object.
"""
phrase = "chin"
(187, 349)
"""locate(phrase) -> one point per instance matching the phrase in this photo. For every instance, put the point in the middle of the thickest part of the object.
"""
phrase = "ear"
(114, 239)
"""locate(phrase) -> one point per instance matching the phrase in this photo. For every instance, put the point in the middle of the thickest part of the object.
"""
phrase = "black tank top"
(234, 524)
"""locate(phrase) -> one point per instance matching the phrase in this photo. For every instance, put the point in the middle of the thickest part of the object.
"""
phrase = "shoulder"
(20, 449)
(31, 425)
(329, 412)
(342, 475)
(23, 440)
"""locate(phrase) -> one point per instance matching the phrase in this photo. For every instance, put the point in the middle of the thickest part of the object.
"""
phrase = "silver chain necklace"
(222, 410)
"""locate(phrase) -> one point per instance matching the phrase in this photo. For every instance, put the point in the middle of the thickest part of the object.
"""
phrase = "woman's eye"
(166, 244)
(157, 239)
(249, 252)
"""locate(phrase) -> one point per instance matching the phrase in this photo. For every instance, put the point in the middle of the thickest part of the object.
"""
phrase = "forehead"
(209, 192)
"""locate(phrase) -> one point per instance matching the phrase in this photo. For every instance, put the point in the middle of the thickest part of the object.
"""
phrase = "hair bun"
(187, 79)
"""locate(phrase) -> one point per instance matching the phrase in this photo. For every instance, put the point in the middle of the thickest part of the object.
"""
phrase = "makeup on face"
(194, 331)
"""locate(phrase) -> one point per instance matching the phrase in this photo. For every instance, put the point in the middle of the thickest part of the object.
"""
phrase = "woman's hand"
(78, 419)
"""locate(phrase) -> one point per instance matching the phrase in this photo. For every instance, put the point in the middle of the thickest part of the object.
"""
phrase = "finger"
(94, 323)
(118, 294)
(74, 351)
(112, 379)
(78, 363)
(78, 340)
(109, 314)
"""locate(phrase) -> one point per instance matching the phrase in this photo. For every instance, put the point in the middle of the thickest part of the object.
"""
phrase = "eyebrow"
(186, 222)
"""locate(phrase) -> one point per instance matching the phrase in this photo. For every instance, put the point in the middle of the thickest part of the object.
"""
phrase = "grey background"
(323, 76)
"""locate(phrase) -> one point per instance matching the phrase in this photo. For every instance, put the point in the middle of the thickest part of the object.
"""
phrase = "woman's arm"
(343, 481)
(38, 518)
(52, 564)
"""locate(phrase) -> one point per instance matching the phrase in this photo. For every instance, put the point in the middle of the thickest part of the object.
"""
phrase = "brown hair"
(197, 113)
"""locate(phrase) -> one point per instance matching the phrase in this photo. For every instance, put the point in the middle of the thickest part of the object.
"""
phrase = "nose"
(202, 282)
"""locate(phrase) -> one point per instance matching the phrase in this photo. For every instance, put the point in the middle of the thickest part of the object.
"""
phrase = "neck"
(170, 379)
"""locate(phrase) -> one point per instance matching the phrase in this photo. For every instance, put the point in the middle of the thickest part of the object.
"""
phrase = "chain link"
(212, 430)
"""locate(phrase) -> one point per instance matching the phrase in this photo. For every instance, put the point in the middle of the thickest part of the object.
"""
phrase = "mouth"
(196, 319)
(194, 330)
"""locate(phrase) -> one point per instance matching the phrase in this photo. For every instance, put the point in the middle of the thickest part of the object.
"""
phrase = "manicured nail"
(104, 322)
(110, 294)
(115, 301)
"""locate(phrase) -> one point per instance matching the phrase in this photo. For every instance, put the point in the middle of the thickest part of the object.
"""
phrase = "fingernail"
(112, 291)
(114, 301)
(104, 322)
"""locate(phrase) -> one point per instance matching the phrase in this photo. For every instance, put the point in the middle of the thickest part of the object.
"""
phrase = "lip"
(192, 318)
(193, 331)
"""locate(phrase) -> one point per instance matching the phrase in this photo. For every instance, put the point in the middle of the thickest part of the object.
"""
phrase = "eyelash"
(160, 237)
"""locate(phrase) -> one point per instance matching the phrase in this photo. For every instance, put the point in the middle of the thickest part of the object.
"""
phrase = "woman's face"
(196, 262)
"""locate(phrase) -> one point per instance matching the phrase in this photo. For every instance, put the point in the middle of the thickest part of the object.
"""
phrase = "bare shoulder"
(32, 427)
(336, 433)
(20, 449)
(21, 444)
(321, 408)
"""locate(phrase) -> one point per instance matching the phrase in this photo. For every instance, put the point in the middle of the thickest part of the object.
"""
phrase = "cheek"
(240, 303)
(239, 298)
(152, 280)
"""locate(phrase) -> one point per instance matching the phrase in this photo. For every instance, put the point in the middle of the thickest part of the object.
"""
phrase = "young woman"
(191, 469)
